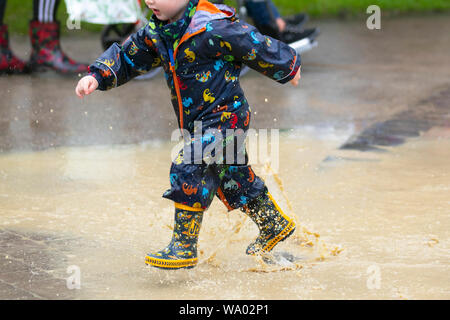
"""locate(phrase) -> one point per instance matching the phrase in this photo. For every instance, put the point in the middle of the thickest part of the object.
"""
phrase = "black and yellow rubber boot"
(182, 250)
(274, 226)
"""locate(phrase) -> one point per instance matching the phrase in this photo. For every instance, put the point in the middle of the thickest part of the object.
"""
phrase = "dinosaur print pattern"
(203, 77)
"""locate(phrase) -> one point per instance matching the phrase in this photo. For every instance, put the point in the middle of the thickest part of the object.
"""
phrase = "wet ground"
(363, 162)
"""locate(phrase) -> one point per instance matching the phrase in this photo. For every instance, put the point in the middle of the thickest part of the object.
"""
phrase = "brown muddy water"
(363, 168)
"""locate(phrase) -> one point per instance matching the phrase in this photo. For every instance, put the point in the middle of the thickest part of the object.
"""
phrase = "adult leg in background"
(45, 33)
(9, 63)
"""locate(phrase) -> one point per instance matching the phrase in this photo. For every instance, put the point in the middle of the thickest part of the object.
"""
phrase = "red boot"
(46, 50)
(9, 63)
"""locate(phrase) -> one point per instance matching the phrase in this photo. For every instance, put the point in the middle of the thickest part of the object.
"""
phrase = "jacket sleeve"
(120, 63)
(240, 42)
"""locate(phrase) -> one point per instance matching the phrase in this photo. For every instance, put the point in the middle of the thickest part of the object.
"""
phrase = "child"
(201, 47)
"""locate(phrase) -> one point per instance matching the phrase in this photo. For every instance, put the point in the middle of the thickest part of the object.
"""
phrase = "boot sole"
(40, 69)
(283, 235)
(14, 72)
(170, 264)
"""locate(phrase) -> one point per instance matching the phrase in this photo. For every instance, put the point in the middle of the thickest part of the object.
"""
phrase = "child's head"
(170, 10)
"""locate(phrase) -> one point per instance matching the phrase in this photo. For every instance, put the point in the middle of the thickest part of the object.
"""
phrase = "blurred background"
(18, 13)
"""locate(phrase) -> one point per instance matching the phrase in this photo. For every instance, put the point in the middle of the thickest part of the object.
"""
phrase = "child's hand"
(86, 86)
(295, 81)
(281, 24)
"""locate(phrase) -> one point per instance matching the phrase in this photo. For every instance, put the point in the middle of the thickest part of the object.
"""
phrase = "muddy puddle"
(382, 219)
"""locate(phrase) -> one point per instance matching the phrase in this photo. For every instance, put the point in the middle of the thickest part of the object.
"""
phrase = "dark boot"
(292, 35)
(9, 63)
(297, 20)
(270, 30)
(46, 50)
(274, 226)
(182, 250)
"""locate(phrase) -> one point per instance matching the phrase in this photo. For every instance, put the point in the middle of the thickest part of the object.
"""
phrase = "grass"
(18, 13)
(336, 8)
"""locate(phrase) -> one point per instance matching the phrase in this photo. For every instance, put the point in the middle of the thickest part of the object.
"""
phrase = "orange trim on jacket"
(175, 78)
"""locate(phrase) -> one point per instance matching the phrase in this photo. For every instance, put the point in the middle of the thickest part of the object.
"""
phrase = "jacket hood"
(206, 12)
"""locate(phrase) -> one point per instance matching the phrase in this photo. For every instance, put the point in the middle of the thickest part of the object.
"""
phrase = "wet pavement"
(33, 266)
(427, 114)
(364, 159)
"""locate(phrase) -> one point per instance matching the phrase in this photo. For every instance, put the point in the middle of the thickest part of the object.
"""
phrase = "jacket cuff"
(104, 75)
(295, 65)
